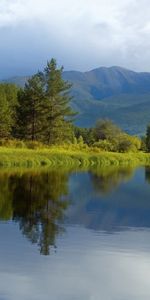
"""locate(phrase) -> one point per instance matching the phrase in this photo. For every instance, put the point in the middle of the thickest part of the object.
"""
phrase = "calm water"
(75, 235)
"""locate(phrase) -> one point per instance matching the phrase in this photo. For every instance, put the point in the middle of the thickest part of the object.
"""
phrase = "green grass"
(67, 158)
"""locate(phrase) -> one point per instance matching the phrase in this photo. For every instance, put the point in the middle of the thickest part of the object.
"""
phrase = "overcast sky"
(80, 34)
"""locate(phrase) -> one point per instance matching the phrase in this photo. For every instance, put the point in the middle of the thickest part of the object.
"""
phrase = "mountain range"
(115, 93)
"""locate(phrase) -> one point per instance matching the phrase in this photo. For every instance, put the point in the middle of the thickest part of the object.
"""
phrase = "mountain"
(18, 80)
(117, 93)
(105, 82)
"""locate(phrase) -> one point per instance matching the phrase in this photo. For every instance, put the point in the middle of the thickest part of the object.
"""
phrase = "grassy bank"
(59, 157)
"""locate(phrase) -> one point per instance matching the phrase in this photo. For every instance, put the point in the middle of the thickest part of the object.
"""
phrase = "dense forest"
(41, 113)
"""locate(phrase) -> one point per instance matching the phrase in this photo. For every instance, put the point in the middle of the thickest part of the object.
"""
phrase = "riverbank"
(51, 157)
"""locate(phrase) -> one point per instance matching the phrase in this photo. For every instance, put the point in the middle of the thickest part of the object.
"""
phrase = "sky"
(80, 34)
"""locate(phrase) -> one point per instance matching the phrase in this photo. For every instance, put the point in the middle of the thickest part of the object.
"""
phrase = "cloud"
(81, 34)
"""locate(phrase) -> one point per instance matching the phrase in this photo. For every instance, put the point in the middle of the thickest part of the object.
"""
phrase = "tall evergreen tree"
(44, 111)
(31, 110)
(59, 112)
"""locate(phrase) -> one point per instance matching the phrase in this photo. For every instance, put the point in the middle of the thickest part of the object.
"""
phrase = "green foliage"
(8, 103)
(12, 143)
(110, 137)
(104, 145)
(44, 112)
(59, 113)
(5, 118)
(80, 140)
(31, 110)
(106, 130)
(143, 143)
(86, 133)
(125, 144)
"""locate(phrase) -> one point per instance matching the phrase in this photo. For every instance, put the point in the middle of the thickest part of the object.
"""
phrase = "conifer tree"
(59, 112)
(44, 111)
(31, 110)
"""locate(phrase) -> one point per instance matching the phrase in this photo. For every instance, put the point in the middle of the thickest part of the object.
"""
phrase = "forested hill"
(115, 92)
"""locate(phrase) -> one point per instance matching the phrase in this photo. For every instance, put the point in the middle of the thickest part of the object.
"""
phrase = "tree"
(106, 130)
(110, 137)
(59, 113)
(86, 133)
(31, 110)
(44, 112)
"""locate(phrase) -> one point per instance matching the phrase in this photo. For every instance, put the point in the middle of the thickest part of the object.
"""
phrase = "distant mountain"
(18, 80)
(105, 82)
(117, 93)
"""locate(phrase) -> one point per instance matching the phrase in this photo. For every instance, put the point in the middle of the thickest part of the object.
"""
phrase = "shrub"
(127, 143)
(12, 143)
(124, 145)
(104, 145)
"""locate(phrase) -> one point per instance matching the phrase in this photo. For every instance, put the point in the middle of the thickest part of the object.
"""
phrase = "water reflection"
(106, 199)
(91, 263)
(105, 180)
(111, 200)
(147, 174)
(36, 202)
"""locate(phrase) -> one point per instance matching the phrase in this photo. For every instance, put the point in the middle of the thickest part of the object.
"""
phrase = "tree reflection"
(147, 174)
(37, 202)
(6, 196)
(105, 180)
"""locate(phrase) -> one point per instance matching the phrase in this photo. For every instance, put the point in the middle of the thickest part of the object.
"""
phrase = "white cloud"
(86, 33)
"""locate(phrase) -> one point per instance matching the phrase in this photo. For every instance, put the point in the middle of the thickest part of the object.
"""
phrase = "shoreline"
(55, 157)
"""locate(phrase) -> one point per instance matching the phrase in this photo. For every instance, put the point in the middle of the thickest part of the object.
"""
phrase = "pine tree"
(31, 110)
(59, 112)
(44, 111)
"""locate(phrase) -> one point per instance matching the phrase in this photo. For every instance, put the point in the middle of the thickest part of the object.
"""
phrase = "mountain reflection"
(36, 202)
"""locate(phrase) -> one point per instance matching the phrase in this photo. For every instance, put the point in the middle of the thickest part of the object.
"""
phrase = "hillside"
(105, 82)
(115, 92)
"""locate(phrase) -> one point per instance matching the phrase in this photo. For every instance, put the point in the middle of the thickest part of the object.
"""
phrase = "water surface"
(75, 235)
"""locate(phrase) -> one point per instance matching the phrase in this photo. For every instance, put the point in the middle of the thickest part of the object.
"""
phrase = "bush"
(12, 143)
(127, 143)
(104, 145)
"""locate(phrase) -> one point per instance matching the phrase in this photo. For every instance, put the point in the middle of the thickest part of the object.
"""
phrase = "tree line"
(41, 111)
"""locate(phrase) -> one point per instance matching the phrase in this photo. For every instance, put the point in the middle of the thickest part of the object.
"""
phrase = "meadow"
(68, 156)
